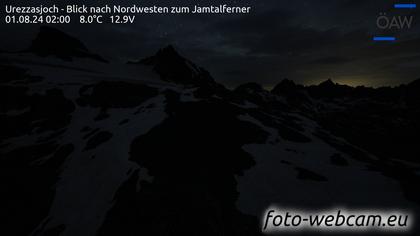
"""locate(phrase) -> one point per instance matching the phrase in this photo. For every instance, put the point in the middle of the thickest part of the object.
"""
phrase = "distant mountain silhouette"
(413, 93)
(329, 89)
(286, 86)
(53, 42)
(415, 84)
(382, 120)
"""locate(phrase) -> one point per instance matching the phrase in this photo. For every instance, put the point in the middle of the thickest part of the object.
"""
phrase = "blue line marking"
(405, 5)
(384, 38)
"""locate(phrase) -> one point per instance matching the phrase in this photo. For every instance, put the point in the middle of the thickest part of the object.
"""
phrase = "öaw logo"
(396, 22)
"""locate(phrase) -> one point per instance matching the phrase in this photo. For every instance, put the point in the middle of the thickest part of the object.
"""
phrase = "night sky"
(306, 41)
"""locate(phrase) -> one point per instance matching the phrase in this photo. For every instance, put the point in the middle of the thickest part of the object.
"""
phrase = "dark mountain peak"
(168, 51)
(53, 42)
(329, 89)
(415, 84)
(327, 83)
(173, 67)
(287, 81)
(166, 55)
(412, 93)
(286, 86)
